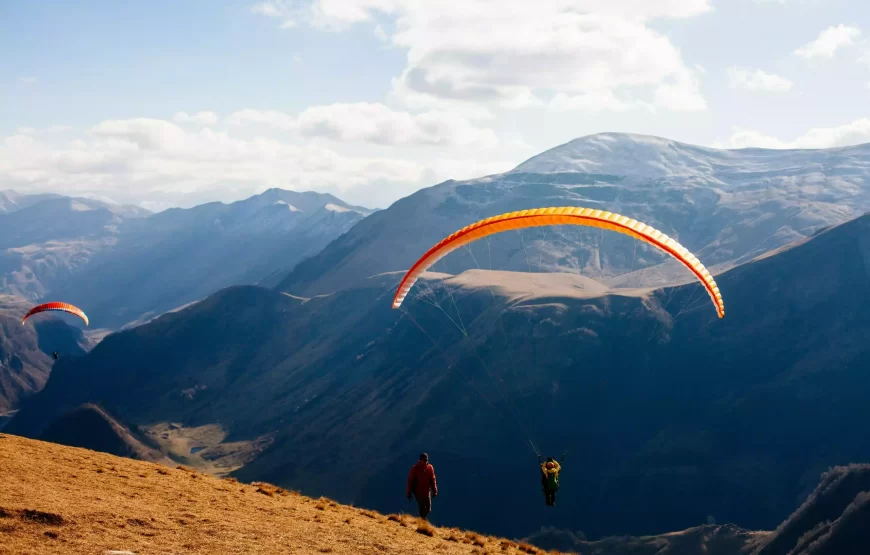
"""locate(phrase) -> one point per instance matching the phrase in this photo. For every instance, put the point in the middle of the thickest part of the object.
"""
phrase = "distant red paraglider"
(56, 307)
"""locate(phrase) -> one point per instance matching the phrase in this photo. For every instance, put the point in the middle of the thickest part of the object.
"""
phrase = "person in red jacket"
(421, 480)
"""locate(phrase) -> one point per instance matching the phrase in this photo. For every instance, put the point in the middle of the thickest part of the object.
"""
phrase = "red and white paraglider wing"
(56, 307)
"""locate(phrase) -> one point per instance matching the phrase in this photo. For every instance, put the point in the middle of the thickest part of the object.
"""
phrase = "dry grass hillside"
(56, 499)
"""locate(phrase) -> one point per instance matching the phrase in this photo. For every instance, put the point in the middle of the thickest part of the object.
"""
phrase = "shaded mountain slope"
(726, 206)
(709, 539)
(25, 351)
(670, 415)
(848, 535)
(835, 518)
(89, 427)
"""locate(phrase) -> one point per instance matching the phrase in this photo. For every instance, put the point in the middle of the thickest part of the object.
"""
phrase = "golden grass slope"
(56, 499)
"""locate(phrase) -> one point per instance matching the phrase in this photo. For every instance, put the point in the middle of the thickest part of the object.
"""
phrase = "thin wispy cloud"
(757, 80)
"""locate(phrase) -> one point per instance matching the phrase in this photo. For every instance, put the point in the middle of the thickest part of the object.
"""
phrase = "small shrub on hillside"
(269, 489)
(474, 539)
(41, 517)
(425, 528)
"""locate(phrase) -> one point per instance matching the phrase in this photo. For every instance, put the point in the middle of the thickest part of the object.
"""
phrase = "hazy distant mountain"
(727, 206)
(121, 264)
(44, 239)
(670, 416)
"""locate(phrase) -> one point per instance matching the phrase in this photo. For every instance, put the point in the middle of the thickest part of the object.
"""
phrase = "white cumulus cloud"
(159, 161)
(757, 80)
(592, 54)
(829, 41)
(856, 132)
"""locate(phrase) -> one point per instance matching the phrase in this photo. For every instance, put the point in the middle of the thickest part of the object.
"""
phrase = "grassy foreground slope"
(57, 499)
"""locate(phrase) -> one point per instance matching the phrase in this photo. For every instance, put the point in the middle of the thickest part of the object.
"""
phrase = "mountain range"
(726, 206)
(123, 265)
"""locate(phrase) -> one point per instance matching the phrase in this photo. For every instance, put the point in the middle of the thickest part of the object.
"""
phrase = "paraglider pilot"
(550, 478)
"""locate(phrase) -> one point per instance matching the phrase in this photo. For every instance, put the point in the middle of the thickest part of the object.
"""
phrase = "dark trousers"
(550, 496)
(424, 505)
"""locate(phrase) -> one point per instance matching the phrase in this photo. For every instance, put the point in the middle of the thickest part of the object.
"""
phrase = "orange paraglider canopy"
(565, 215)
(61, 307)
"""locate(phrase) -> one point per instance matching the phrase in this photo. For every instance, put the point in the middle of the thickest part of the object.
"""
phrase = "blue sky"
(167, 103)
(104, 60)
